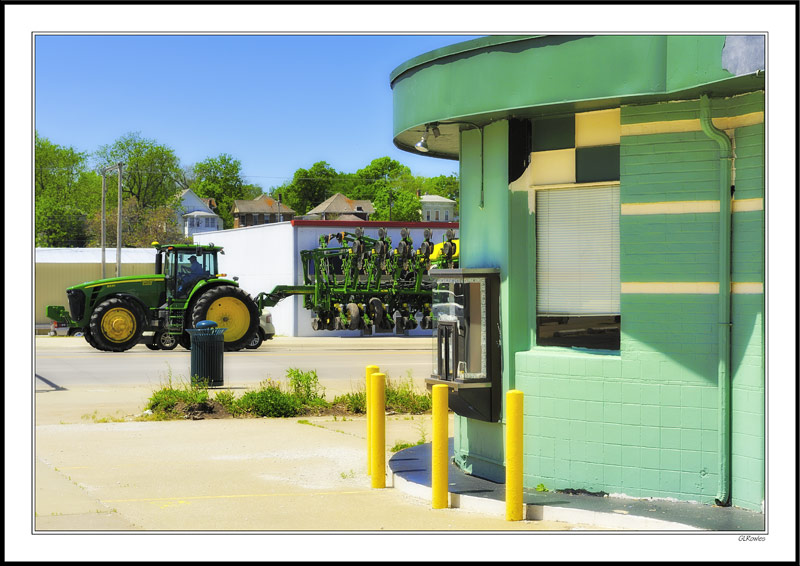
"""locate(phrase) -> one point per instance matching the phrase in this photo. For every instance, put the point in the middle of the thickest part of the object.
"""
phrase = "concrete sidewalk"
(98, 469)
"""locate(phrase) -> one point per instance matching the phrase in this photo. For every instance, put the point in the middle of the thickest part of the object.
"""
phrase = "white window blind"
(577, 251)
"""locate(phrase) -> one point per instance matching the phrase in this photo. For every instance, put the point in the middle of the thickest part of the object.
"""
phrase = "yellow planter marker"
(370, 370)
(377, 421)
(439, 483)
(514, 503)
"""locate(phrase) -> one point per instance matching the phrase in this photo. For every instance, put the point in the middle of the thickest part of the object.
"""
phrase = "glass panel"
(459, 317)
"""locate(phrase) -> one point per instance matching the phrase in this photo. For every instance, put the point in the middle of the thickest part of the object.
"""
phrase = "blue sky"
(275, 102)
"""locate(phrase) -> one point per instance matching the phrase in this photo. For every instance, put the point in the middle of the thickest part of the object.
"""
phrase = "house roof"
(262, 205)
(340, 204)
(200, 213)
(349, 217)
(435, 198)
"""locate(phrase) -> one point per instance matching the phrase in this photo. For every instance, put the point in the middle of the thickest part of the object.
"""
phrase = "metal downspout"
(724, 323)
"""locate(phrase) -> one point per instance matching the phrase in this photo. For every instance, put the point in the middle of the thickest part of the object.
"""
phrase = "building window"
(577, 267)
(272, 218)
(208, 222)
(446, 215)
(428, 215)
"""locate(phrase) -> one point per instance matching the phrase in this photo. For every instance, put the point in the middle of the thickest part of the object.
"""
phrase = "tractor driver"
(195, 273)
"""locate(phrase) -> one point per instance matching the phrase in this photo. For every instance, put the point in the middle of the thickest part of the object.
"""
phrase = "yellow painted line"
(747, 288)
(688, 207)
(234, 496)
(676, 126)
(239, 354)
(696, 288)
(703, 288)
(747, 204)
(675, 207)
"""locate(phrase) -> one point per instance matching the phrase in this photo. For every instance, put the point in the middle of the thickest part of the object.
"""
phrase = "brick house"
(261, 210)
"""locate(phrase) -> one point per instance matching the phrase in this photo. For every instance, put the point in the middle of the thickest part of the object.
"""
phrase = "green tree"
(397, 205)
(151, 172)
(310, 187)
(220, 178)
(381, 173)
(65, 192)
(252, 191)
(141, 226)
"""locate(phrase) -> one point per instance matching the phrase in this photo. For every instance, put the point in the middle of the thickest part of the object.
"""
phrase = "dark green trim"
(554, 133)
(600, 163)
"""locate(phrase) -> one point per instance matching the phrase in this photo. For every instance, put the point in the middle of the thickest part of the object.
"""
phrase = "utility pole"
(119, 219)
(103, 230)
(118, 167)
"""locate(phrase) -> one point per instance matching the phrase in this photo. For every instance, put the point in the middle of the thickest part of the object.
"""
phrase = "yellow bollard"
(514, 455)
(377, 421)
(369, 372)
(439, 485)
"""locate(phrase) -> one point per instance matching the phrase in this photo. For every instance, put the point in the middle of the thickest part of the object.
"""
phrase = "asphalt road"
(339, 362)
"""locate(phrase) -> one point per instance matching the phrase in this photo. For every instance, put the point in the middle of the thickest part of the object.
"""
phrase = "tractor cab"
(184, 266)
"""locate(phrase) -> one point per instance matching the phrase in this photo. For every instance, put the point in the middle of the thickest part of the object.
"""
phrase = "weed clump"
(269, 400)
(302, 394)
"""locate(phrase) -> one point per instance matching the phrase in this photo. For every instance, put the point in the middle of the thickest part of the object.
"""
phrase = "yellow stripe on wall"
(675, 126)
(693, 288)
(688, 207)
(676, 207)
(743, 288)
(747, 204)
(701, 288)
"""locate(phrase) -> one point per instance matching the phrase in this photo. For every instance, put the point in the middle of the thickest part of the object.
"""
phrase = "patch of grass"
(95, 419)
(403, 397)
(302, 394)
(398, 446)
(228, 400)
(269, 400)
(304, 385)
(163, 402)
(353, 402)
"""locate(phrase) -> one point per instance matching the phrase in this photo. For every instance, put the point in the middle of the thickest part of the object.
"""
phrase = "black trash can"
(207, 347)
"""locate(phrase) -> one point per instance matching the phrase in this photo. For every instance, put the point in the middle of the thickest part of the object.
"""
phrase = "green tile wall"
(644, 422)
(669, 247)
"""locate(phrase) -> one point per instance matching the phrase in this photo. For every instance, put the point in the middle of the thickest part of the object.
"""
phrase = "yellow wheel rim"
(230, 313)
(118, 325)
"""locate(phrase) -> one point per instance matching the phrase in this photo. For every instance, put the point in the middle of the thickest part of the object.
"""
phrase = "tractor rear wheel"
(116, 325)
(231, 308)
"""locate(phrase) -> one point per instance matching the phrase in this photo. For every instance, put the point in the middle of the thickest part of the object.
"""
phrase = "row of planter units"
(616, 184)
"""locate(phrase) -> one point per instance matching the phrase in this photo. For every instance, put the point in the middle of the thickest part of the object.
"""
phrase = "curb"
(471, 503)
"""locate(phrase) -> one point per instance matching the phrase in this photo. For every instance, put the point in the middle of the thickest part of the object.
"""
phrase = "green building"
(616, 185)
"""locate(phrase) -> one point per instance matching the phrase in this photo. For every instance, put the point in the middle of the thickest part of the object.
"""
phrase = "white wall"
(262, 257)
(267, 255)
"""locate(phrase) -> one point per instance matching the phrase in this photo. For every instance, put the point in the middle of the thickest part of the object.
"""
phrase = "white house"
(436, 208)
(196, 215)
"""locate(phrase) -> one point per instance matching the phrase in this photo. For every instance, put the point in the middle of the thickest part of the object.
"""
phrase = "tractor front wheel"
(116, 325)
(231, 308)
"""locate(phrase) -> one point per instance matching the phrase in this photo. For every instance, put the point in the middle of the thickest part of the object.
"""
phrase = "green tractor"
(186, 288)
